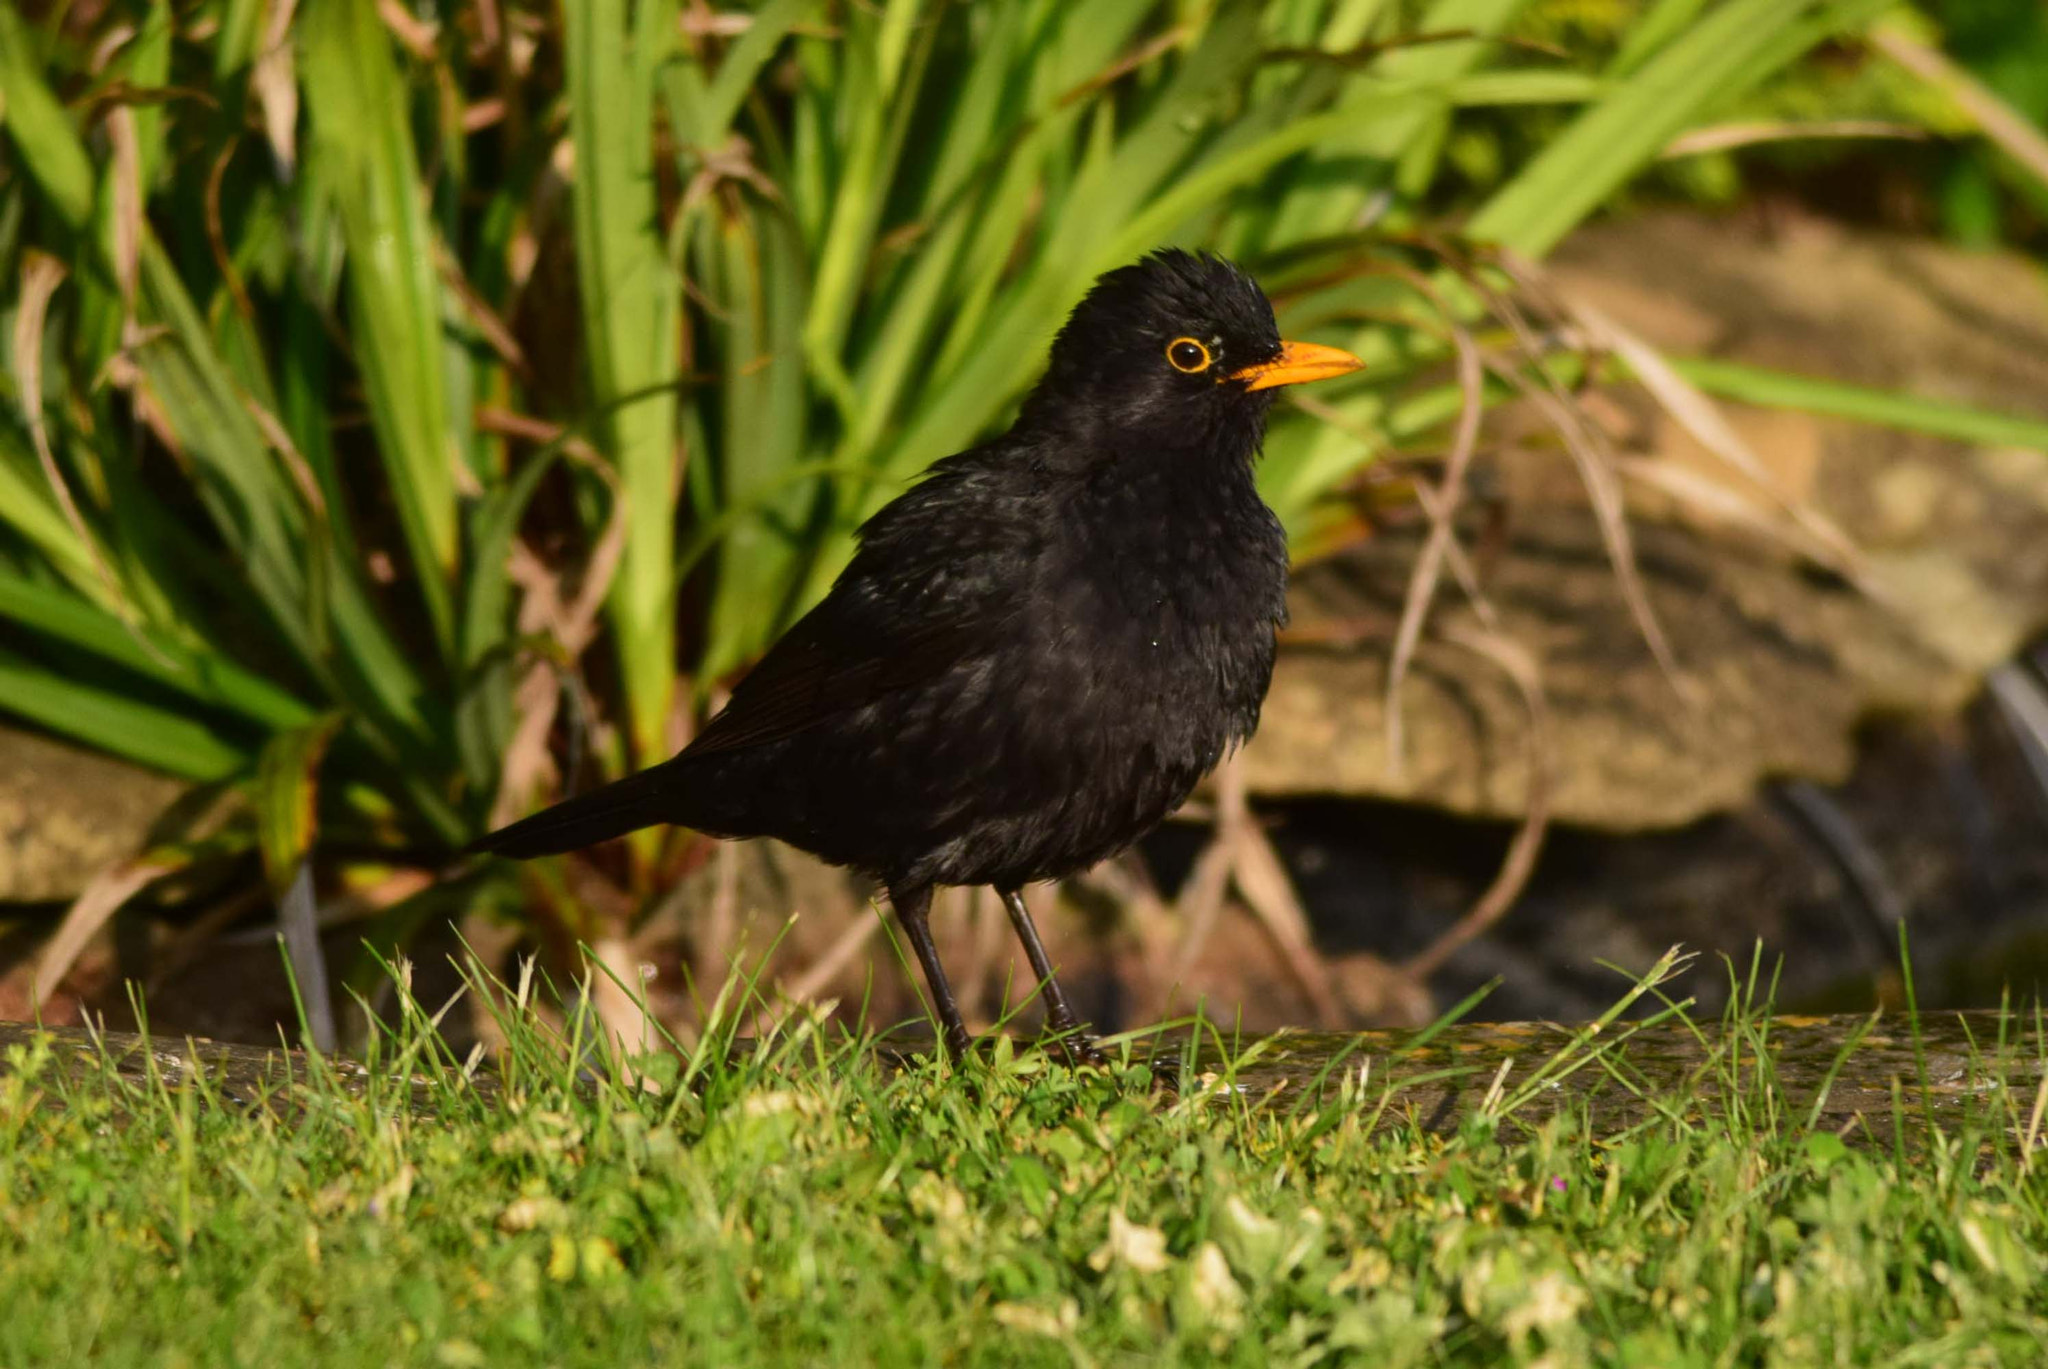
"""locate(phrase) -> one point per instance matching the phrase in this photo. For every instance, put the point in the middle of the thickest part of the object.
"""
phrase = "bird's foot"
(1163, 1062)
(1078, 1048)
(1165, 1067)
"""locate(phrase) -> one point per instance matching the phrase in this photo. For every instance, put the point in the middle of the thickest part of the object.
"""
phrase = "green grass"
(804, 1206)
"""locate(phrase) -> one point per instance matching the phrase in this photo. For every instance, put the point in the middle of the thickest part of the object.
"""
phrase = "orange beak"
(1298, 362)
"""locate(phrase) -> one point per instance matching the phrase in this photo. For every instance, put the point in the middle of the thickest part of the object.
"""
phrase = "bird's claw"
(1079, 1048)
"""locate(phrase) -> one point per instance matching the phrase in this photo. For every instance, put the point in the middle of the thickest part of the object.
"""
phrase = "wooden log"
(1840, 1070)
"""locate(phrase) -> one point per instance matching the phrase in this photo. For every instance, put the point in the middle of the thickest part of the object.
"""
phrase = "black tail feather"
(623, 806)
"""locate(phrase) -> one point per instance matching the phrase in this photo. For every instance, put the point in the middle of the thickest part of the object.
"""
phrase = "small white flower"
(1142, 1248)
(1040, 1321)
(1553, 1301)
(1213, 1289)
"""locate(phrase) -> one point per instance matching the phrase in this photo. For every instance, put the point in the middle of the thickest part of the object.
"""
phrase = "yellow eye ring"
(1188, 355)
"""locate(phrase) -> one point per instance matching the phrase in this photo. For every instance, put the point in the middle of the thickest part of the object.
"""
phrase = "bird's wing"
(934, 585)
(820, 671)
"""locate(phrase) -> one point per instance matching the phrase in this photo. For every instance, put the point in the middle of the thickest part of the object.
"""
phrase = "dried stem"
(2001, 123)
(1240, 854)
(1519, 666)
(1590, 453)
(1428, 570)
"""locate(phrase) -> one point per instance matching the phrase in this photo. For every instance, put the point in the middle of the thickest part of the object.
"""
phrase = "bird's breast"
(1156, 626)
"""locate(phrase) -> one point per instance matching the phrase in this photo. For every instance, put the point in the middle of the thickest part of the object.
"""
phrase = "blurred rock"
(66, 814)
(1785, 661)
(1957, 822)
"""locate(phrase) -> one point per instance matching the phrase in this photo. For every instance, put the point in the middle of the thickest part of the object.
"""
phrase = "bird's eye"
(1186, 354)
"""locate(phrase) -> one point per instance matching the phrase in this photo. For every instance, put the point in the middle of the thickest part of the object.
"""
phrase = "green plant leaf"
(1886, 408)
(358, 105)
(1730, 50)
(38, 126)
(632, 325)
(285, 796)
(174, 743)
(484, 714)
(754, 266)
(204, 676)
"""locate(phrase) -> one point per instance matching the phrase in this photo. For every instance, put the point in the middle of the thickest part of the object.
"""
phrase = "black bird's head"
(1176, 349)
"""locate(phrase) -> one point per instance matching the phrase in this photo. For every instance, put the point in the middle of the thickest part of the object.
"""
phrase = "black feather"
(609, 811)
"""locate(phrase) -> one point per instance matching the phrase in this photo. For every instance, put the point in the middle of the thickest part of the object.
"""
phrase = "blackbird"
(1037, 650)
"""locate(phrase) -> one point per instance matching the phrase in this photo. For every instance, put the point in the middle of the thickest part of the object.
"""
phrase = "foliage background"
(413, 412)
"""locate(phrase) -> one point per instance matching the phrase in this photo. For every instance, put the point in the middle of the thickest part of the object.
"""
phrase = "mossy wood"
(1840, 1070)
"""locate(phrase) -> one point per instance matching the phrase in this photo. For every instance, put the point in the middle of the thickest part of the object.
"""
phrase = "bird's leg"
(913, 909)
(1080, 1047)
